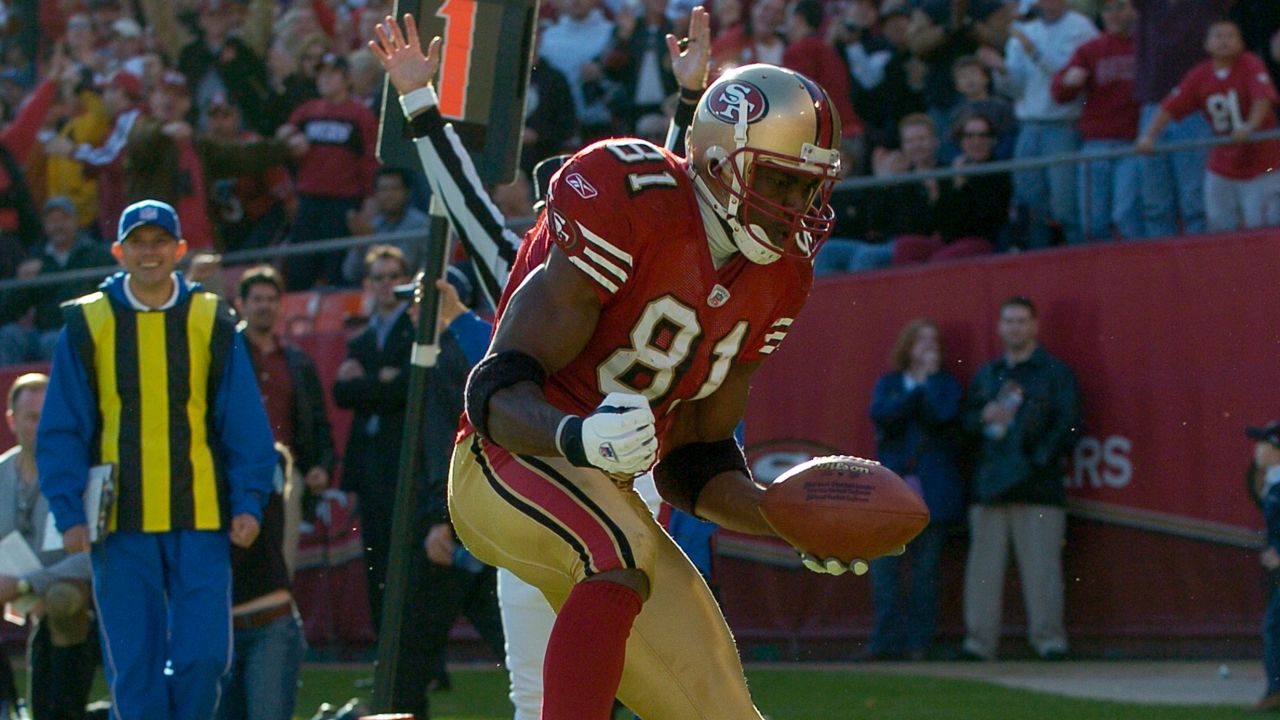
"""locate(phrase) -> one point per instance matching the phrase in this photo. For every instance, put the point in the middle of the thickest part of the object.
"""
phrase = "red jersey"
(192, 207)
(626, 214)
(343, 138)
(1110, 110)
(1226, 97)
(813, 57)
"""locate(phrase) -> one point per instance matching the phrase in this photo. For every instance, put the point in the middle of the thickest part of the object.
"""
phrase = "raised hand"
(401, 54)
(689, 63)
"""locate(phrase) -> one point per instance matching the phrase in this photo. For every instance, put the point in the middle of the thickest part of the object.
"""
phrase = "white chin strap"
(743, 238)
(747, 239)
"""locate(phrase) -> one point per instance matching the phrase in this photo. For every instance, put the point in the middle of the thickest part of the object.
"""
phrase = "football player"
(637, 309)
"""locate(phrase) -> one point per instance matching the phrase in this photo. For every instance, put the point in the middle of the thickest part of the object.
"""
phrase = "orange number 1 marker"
(455, 65)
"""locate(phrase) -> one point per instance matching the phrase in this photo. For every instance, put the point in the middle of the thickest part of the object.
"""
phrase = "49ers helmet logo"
(566, 236)
(726, 102)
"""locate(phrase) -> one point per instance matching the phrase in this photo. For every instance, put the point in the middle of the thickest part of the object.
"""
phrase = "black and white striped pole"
(390, 673)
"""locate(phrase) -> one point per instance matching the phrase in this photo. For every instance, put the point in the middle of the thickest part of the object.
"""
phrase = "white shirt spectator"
(569, 44)
(1028, 78)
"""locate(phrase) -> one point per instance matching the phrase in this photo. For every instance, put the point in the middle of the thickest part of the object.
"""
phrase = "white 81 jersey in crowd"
(625, 214)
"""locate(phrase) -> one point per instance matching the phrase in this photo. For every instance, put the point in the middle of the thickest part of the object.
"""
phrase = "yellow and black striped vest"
(155, 375)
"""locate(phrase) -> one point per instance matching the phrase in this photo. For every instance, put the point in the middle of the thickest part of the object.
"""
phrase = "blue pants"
(319, 218)
(164, 612)
(842, 255)
(1172, 184)
(907, 624)
(263, 682)
(1110, 193)
(1271, 641)
(1048, 194)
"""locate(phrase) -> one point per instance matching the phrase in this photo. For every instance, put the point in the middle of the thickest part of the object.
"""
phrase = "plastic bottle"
(1010, 398)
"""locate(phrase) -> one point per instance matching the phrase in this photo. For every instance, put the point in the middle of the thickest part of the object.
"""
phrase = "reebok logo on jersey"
(728, 101)
(581, 186)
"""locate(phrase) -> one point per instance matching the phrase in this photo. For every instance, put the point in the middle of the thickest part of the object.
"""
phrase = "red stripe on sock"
(586, 651)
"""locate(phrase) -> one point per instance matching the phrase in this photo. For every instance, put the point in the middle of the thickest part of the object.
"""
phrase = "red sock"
(586, 651)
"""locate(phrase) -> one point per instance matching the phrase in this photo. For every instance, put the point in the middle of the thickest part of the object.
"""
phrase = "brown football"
(844, 507)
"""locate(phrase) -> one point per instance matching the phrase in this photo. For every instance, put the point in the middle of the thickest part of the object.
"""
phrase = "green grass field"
(805, 695)
(793, 695)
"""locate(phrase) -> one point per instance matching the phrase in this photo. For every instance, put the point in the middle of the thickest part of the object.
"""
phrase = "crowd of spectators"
(257, 118)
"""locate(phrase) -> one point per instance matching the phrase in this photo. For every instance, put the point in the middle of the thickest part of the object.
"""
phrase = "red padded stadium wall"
(1176, 347)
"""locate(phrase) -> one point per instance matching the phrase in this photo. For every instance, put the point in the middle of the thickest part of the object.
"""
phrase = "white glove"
(832, 566)
(619, 437)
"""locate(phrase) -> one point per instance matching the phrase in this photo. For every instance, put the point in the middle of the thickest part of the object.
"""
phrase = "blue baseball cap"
(148, 212)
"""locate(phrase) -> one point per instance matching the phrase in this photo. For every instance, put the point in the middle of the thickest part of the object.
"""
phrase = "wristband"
(493, 373)
(569, 441)
(424, 98)
(690, 97)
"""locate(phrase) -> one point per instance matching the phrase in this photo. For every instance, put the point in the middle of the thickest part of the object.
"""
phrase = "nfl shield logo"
(719, 296)
(149, 213)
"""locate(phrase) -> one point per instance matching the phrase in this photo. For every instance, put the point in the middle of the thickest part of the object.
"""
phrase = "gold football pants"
(553, 525)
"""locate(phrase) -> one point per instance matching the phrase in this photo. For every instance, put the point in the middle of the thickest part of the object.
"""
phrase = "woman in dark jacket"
(915, 408)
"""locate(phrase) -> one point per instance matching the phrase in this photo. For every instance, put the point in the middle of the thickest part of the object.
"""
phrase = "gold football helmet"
(760, 117)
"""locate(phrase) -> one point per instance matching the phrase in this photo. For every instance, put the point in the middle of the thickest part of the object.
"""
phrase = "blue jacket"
(240, 436)
(916, 434)
(1026, 464)
(1271, 511)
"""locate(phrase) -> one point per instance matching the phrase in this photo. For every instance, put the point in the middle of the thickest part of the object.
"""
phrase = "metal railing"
(1009, 166)
(269, 253)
